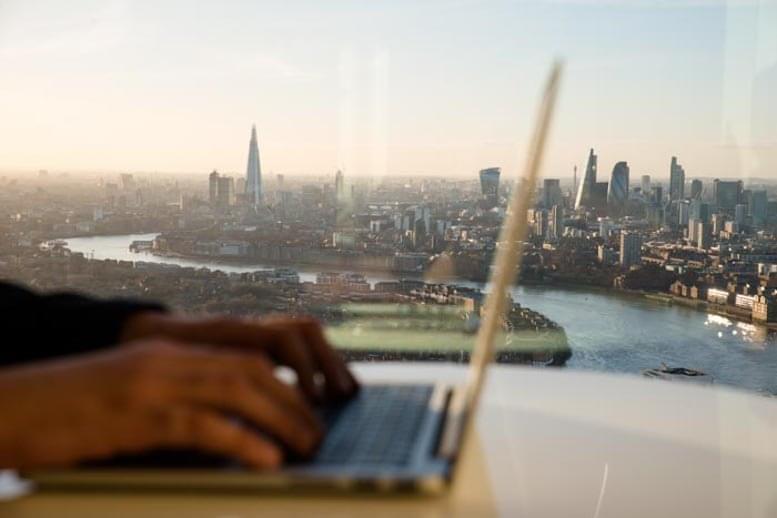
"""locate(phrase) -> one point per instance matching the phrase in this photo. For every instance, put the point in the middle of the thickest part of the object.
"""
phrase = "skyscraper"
(226, 192)
(758, 206)
(339, 186)
(726, 194)
(586, 187)
(676, 180)
(253, 172)
(489, 185)
(213, 188)
(645, 185)
(618, 192)
(557, 222)
(551, 192)
(699, 210)
(631, 249)
(696, 189)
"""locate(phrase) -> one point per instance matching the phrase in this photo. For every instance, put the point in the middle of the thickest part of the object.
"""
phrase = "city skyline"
(135, 87)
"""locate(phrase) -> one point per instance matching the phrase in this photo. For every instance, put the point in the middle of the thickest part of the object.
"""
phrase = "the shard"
(253, 189)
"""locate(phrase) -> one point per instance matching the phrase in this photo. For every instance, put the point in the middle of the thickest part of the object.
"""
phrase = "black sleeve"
(36, 326)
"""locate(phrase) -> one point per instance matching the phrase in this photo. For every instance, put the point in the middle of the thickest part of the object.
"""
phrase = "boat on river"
(666, 372)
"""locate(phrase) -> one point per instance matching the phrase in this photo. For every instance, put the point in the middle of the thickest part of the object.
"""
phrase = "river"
(606, 331)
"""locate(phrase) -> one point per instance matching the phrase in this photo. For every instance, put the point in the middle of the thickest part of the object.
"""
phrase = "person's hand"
(148, 395)
(298, 343)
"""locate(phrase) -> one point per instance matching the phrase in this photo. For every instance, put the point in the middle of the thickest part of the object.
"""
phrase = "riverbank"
(703, 306)
(607, 330)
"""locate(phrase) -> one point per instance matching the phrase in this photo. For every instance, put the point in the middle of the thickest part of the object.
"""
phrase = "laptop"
(390, 437)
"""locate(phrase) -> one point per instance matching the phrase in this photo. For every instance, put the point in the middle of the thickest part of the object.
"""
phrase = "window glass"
(353, 160)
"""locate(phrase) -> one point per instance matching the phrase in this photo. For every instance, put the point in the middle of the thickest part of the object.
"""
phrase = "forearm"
(60, 324)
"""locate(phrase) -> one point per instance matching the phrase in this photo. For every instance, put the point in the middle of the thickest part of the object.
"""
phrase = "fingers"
(339, 381)
(210, 432)
(245, 386)
(298, 343)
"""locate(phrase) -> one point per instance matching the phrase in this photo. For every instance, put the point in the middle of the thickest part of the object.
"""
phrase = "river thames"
(606, 330)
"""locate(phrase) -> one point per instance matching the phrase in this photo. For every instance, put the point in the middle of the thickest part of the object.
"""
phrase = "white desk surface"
(549, 443)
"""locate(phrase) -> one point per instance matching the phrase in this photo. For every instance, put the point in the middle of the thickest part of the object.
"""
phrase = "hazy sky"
(395, 87)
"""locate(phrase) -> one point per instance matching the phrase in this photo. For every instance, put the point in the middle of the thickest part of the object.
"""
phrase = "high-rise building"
(631, 249)
(683, 212)
(551, 192)
(740, 214)
(703, 235)
(658, 195)
(696, 189)
(489, 185)
(692, 230)
(605, 224)
(699, 210)
(718, 222)
(226, 192)
(339, 186)
(253, 172)
(676, 180)
(618, 191)
(726, 194)
(759, 207)
(557, 222)
(645, 185)
(587, 185)
(213, 188)
(541, 223)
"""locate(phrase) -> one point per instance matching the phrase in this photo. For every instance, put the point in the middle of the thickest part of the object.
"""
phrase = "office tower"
(226, 192)
(489, 185)
(726, 194)
(699, 210)
(696, 189)
(339, 186)
(605, 224)
(655, 214)
(676, 180)
(658, 195)
(631, 249)
(213, 188)
(718, 221)
(692, 230)
(645, 185)
(253, 172)
(618, 191)
(541, 223)
(240, 186)
(557, 221)
(587, 186)
(551, 192)
(740, 213)
(703, 235)
(759, 207)
(683, 212)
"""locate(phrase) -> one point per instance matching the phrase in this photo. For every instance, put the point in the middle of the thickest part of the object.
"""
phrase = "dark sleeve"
(36, 326)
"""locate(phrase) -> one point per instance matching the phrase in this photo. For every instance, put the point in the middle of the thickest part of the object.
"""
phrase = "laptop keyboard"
(378, 427)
